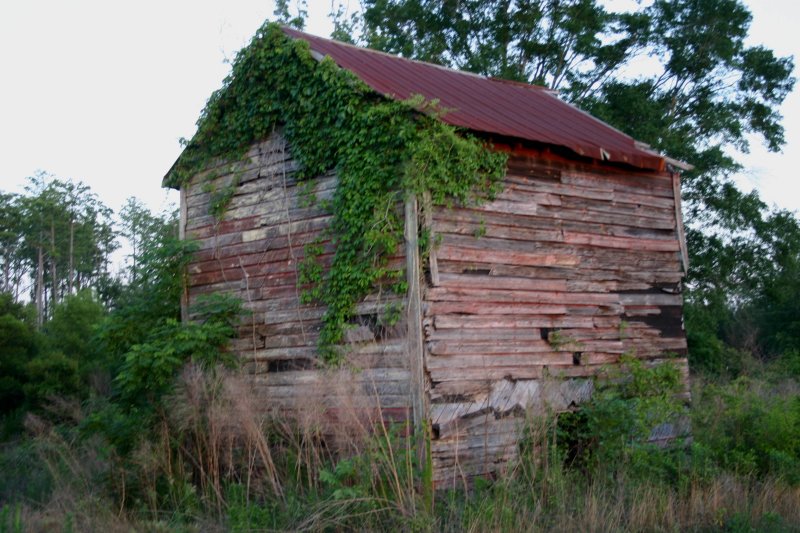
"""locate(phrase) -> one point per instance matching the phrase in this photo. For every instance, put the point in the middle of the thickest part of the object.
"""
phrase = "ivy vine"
(381, 150)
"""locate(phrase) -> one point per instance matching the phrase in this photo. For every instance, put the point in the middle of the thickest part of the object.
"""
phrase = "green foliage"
(310, 272)
(149, 300)
(71, 332)
(149, 368)
(19, 343)
(144, 232)
(220, 198)
(51, 375)
(749, 427)
(66, 240)
(575, 43)
(614, 427)
(381, 150)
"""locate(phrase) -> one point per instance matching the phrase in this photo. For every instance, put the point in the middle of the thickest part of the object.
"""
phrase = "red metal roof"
(487, 104)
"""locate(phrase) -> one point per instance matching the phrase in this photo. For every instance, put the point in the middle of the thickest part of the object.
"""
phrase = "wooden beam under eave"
(414, 314)
(676, 189)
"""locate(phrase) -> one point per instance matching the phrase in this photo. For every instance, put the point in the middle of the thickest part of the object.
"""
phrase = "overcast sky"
(100, 91)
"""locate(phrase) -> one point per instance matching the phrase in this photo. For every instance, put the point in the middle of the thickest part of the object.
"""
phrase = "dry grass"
(215, 436)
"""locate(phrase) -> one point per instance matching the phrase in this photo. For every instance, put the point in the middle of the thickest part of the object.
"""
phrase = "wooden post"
(676, 189)
(184, 211)
(415, 347)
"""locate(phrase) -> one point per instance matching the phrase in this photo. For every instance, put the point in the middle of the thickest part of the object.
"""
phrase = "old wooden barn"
(515, 305)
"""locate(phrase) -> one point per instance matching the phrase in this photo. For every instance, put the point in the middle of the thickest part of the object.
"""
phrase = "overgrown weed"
(218, 461)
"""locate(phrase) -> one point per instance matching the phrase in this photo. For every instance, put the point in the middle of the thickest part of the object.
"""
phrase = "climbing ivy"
(381, 150)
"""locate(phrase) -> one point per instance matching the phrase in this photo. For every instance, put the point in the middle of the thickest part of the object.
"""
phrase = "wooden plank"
(471, 308)
(481, 229)
(490, 321)
(476, 335)
(488, 373)
(502, 282)
(462, 294)
(182, 236)
(414, 347)
(650, 299)
(545, 223)
(533, 350)
(461, 253)
(628, 243)
(433, 262)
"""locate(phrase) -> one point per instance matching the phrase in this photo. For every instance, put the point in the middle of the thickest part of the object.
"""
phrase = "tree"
(66, 239)
(143, 230)
(569, 45)
(11, 259)
(283, 15)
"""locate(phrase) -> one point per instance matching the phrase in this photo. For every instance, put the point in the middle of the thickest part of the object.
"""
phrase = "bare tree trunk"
(53, 277)
(40, 288)
(71, 252)
(7, 272)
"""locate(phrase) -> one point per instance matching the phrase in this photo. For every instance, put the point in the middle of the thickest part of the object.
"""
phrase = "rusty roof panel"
(487, 104)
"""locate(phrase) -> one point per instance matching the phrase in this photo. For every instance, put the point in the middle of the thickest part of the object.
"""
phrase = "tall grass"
(218, 461)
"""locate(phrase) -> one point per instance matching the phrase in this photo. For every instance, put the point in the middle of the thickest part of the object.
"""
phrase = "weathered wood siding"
(253, 253)
(526, 299)
(531, 295)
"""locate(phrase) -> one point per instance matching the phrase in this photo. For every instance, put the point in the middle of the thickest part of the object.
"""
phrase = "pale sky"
(100, 91)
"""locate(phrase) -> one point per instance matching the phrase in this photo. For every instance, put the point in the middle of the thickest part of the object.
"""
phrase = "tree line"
(58, 282)
(57, 238)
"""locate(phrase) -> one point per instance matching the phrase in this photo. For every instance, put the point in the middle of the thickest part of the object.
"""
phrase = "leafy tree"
(283, 15)
(143, 230)
(67, 238)
(572, 44)
(71, 332)
(11, 259)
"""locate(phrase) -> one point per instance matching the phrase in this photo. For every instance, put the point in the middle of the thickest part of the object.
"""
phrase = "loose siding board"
(571, 266)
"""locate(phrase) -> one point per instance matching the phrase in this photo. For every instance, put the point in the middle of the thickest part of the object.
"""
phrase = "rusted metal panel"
(488, 104)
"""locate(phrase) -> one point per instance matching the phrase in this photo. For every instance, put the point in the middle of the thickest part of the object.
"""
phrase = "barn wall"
(531, 295)
(525, 299)
(253, 254)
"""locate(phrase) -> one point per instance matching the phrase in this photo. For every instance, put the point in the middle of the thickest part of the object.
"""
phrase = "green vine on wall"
(381, 150)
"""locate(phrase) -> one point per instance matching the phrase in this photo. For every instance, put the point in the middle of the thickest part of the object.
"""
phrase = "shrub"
(749, 427)
(617, 426)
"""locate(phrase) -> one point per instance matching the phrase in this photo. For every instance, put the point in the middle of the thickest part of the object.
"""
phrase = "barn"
(482, 309)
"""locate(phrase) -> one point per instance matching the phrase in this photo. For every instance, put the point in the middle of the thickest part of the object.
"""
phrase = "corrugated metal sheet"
(488, 104)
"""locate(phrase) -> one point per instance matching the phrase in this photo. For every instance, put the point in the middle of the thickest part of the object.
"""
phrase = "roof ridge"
(290, 30)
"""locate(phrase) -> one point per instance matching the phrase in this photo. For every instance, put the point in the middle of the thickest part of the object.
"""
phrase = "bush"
(616, 427)
(19, 343)
(749, 427)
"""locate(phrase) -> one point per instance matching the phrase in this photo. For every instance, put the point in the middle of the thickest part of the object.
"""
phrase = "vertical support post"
(676, 190)
(414, 314)
(415, 347)
(184, 215)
